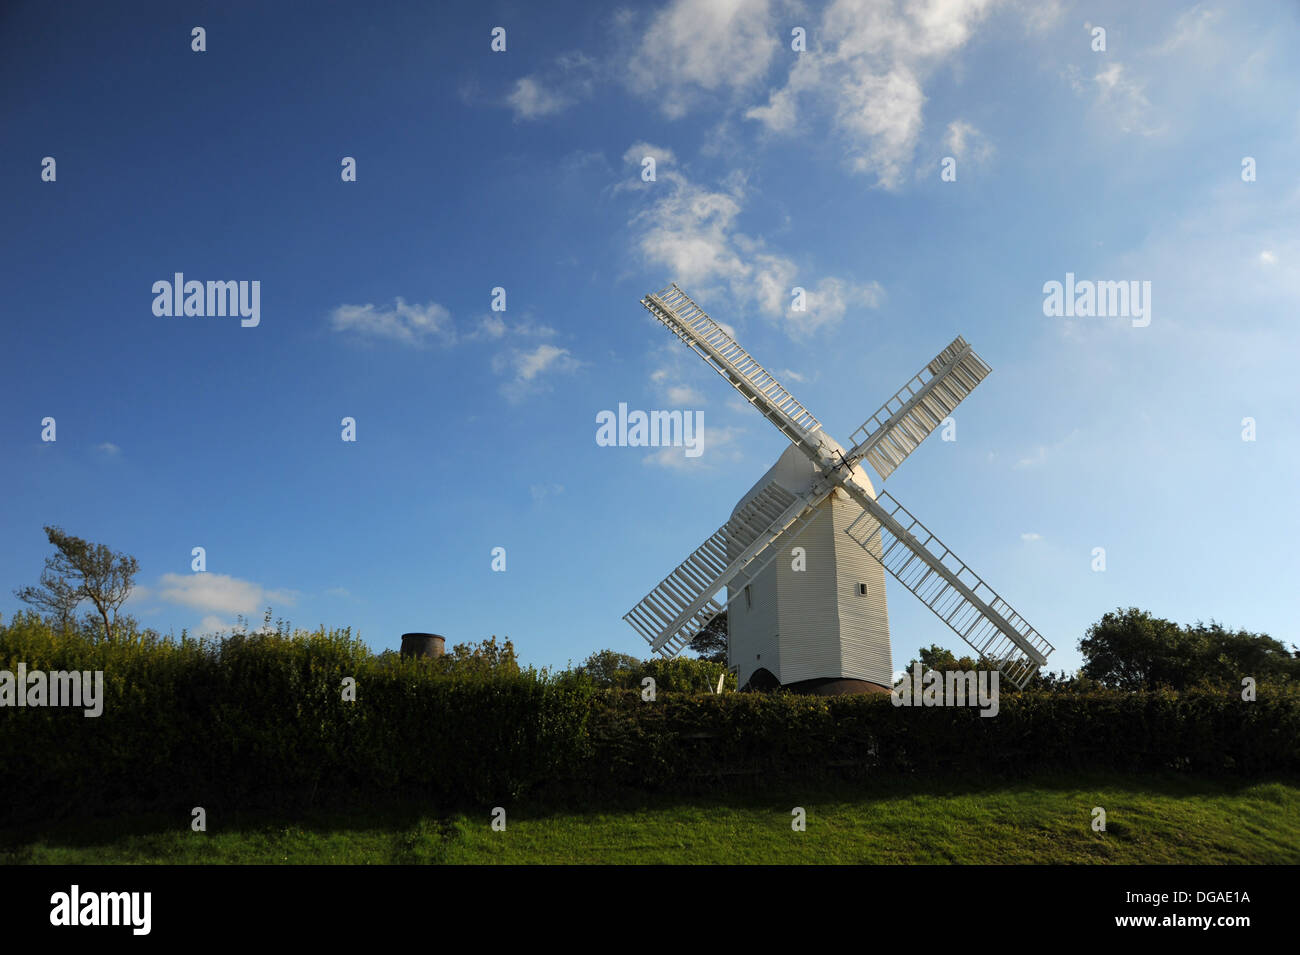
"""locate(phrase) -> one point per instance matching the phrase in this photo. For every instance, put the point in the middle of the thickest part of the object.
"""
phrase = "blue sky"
(522, 170)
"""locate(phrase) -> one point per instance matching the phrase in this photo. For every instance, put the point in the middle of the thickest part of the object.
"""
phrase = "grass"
(1174, 820)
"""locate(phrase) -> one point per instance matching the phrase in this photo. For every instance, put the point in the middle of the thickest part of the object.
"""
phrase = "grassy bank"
(1167, 819)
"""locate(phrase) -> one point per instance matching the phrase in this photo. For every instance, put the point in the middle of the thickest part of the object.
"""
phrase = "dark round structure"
(422, 645)
(836, 686)
(763, 681)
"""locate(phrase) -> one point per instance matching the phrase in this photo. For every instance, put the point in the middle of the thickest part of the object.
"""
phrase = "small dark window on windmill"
(862, 590)
(749, 602)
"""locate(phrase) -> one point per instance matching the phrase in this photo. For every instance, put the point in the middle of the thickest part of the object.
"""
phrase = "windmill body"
(817, 611)
(806, 623)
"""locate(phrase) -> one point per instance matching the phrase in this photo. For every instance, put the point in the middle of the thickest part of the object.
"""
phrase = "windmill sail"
(687, 599)
(675, 309)
(905, 420)
(943, 582)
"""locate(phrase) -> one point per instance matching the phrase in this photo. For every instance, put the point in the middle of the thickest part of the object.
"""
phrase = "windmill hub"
(820, 619)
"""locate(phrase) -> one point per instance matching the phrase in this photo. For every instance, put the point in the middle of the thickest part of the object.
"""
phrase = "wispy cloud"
(695, 49)
(1040, 455)
(541, 492)
(220, 593)
(691, 231)
(531, 100)
(430, 324)
(214, 624)
(964, 142)
(720, 445)
(684, 395)
(1122, 99)
(566, 81)
(415, 325)
(527, 369)
(867, 74)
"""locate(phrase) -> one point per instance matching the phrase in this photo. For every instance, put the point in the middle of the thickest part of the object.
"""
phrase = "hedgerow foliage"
(258, 720)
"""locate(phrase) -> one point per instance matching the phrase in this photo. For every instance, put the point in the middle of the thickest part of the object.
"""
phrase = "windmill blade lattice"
(687, 599)
(675, 309)
(905, 420)
(958, 596)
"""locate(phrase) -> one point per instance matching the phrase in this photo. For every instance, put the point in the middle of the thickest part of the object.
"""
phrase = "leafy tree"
(77, 571)
(711, 642)
(604, 667)
(1060, 682)
(937, 658)
(485, 656)
(1132, 650)
(1227, 656)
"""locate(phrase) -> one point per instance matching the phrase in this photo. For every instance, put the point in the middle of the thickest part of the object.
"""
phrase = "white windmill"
(826, 621)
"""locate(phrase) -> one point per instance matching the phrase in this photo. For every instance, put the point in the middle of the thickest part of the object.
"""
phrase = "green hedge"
(260, 720)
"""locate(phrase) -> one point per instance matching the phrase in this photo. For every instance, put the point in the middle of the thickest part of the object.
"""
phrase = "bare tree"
(78, 571)
(54, 596)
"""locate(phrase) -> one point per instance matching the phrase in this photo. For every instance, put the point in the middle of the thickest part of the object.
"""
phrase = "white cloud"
(1267, 258)
(1039, 456)
(663, 156)
(490, 327)
(417, 325)
(1033, 460)
(531, 100)
(691, 232)
(635, 156)
(541, 492)
(529, 364)
(692, 47)
(1123, 99)
(1040, 15)
(526, 368)
(869, 76)
(718, 446)
(337, 592)
(1197, 28)
(1031, 536)
(109, 449)
(684, 395)
(530, 329)
(964, 141)
(569, 79)
(220, 593)
(403, 323)
(789, 375)
(669, 379)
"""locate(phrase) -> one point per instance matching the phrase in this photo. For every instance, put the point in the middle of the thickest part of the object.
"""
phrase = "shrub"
(260, 720)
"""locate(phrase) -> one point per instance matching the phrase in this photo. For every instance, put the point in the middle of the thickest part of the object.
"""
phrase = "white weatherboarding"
(827, 621)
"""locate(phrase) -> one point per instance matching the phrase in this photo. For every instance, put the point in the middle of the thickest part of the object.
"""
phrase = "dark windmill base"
(764, 682)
